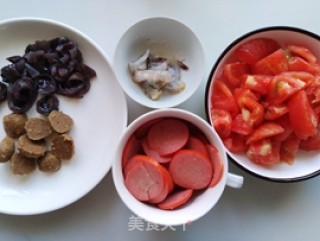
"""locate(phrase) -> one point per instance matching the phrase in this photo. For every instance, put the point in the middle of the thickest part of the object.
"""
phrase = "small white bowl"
(306, 164)
(164, 37)
(192, 210)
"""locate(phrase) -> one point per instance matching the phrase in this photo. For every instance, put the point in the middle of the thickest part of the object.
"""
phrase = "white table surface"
(261, 210)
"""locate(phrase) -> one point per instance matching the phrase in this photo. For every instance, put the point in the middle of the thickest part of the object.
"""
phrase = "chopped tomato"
(313, 91)
(222, 98)
(264, 131)
(284, 122)
(273, 64)
(272, 95)
(264, 152)
(275, 111)
(241, 126)
(221, 122)
(296, 63)
(234, 73)
(257, 83)
(302, 117)
(289, 148)
(303, 52)
(312, 143)
(255, 49)
(236, 143)
(252, 111)
(282, 87)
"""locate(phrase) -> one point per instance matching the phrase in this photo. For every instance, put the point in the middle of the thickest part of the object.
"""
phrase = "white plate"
(100, 118)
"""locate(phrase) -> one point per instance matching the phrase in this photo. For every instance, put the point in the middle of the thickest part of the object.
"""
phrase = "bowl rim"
(200, 50)
(208, 85)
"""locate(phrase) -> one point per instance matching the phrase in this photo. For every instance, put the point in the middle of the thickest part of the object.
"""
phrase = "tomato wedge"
(255, 49)
(274, 112)
(265, 130)
(236, 143)
(302, 117)
(234, 72)
(282, 87)
(296, 63)
(257, 83)
(289, 148)
(264, 152)
(252, 111)
(303, 52)
(273, 64)
(221, 122)
(241, 126)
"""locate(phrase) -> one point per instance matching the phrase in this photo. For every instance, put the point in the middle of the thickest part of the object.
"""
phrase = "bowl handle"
(234, 180)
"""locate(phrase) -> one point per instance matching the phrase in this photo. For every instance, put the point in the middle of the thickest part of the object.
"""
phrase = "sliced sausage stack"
(167, 160)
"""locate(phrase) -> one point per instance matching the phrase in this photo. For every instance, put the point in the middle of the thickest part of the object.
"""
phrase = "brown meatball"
(38, 128)
(6, 149)
(21, 165)
(30, 148)
(60, 122)
(62, 146)
(14, 124)
(49, 163)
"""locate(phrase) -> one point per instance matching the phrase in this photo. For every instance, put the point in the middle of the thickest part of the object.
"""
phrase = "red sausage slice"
(154, 154)
(197, 144)
(191, 169)
(142, 131)
(145, 180)
(132, 147)
(168, 136)
(176, 199)
(217, 165)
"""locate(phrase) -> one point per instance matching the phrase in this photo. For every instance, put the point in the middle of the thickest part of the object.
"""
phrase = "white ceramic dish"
(306, 164)
(98, 124)
(195, 208)
(164, 37)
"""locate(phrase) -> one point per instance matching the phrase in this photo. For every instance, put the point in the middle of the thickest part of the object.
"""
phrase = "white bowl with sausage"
(159, 62)
(133, 184)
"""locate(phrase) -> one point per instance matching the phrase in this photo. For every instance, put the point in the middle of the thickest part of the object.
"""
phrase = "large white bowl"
(192, 210)
(98, 124)
(167, 38)
(306, 164)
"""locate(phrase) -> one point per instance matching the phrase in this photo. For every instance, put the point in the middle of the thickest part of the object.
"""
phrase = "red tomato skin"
(303, 52)
(222, 98)
(234, 72)
(274, 112)
(299, 64)
(282, 87)
(273, 64)
(289, 148)
(302, 117)
(312, 143)
(222, 122)
(236, 143)
(264, 152)
(253, 50)
(265, 130)
(240, 126)
(257, 83)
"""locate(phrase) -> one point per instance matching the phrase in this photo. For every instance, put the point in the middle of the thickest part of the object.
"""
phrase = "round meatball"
(30, 148)
(22, 165)
(62, 146)
(49, 163)
(60, 122)
(38, 128)
(6, 149)
(14, 124)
